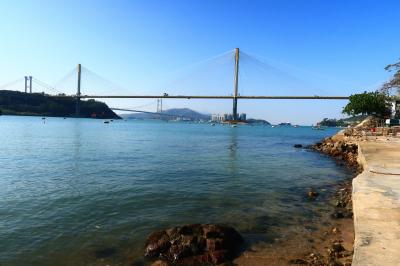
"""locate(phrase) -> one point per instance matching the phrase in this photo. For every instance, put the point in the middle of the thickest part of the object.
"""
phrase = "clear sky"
(339, 47)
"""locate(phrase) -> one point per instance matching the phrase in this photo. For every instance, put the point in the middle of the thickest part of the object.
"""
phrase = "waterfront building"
(217, 118)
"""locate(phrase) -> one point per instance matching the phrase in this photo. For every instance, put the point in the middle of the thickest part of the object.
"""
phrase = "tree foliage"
(18, 103)
(394, 83)
(368, 103)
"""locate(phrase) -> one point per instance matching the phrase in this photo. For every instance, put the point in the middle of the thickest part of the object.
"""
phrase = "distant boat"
(212, 124)
(233, 126)
(106, 122)
(318, 128)
(296, 126)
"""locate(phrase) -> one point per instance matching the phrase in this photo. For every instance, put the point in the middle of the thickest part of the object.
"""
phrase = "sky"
(150, 47)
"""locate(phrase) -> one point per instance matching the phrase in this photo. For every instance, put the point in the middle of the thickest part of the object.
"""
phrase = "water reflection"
(233, 147)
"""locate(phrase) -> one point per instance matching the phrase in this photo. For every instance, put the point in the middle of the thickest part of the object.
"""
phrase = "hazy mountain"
(170, 114)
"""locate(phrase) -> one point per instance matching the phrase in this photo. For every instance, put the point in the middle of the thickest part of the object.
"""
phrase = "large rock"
(194, 244)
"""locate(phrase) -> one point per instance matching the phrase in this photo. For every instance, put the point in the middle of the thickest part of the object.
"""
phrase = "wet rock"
(337, 247)
(194, 244)
(298, 146)
(341, 214)
(340, 203)
(312, 195)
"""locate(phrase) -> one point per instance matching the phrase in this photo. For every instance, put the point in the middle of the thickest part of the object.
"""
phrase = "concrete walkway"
(376, 204)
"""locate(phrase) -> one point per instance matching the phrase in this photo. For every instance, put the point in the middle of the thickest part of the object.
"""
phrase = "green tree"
(368, 103)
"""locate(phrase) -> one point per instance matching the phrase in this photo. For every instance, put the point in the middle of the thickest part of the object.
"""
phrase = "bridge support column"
(26, 84)
(235, 87)
(78, 94)
(30, 84)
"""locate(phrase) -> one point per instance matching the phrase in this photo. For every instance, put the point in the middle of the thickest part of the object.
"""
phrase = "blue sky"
(339, 47)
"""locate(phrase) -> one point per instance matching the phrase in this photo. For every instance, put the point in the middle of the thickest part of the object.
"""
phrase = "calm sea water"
(78, 191)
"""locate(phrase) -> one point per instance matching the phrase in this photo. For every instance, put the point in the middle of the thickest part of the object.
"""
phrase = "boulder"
(194, 244)
(312, 195)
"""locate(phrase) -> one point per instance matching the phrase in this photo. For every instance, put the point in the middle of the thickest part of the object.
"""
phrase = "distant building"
(396, 109)
(217, 118)
(226, 117)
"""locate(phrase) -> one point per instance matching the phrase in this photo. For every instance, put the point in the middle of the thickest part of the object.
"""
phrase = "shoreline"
(331, 241)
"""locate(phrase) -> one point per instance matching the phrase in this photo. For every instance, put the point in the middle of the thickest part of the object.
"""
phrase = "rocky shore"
(331, 243)
(345, 150)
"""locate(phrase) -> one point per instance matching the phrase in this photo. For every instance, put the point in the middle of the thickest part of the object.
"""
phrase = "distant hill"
(171, 114)
(39, 104)
(341, 122)
(257, 121)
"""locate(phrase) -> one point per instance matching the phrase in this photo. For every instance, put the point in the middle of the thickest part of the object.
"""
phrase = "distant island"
(40, 104)
(182, 114)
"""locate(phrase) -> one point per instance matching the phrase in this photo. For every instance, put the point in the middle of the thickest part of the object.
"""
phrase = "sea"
(84, 192)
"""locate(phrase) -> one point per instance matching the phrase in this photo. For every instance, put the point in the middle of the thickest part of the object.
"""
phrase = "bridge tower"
(30, 84)
(78, 93)
(26, 84)
(235, 86)
(159, 106)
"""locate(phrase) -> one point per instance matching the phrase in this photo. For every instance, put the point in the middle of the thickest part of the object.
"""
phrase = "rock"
(340, 214)
(337, 247)
(298, 146)
(194, 244)
(160, 263)
(340, 203)
(298, 261)
(312, 195)
(335, 230)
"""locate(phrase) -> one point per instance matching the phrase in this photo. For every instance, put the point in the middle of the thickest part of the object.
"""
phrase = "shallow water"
(78, 191)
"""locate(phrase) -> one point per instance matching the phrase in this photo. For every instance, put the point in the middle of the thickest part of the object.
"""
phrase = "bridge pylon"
(78, 93)
(28, 78)
(159, 106)
(235, 86)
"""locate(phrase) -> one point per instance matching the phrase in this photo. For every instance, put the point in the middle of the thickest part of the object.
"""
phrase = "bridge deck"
(315, 97)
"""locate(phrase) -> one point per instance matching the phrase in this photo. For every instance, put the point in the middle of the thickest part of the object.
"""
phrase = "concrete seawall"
(376, 204)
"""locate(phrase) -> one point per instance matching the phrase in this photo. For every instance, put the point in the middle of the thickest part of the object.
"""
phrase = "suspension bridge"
(55, 91)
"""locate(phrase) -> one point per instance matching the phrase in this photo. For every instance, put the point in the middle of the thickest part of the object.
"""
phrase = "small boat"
(318, 128)
(233, 126)
(106, 122)
(212, 124)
